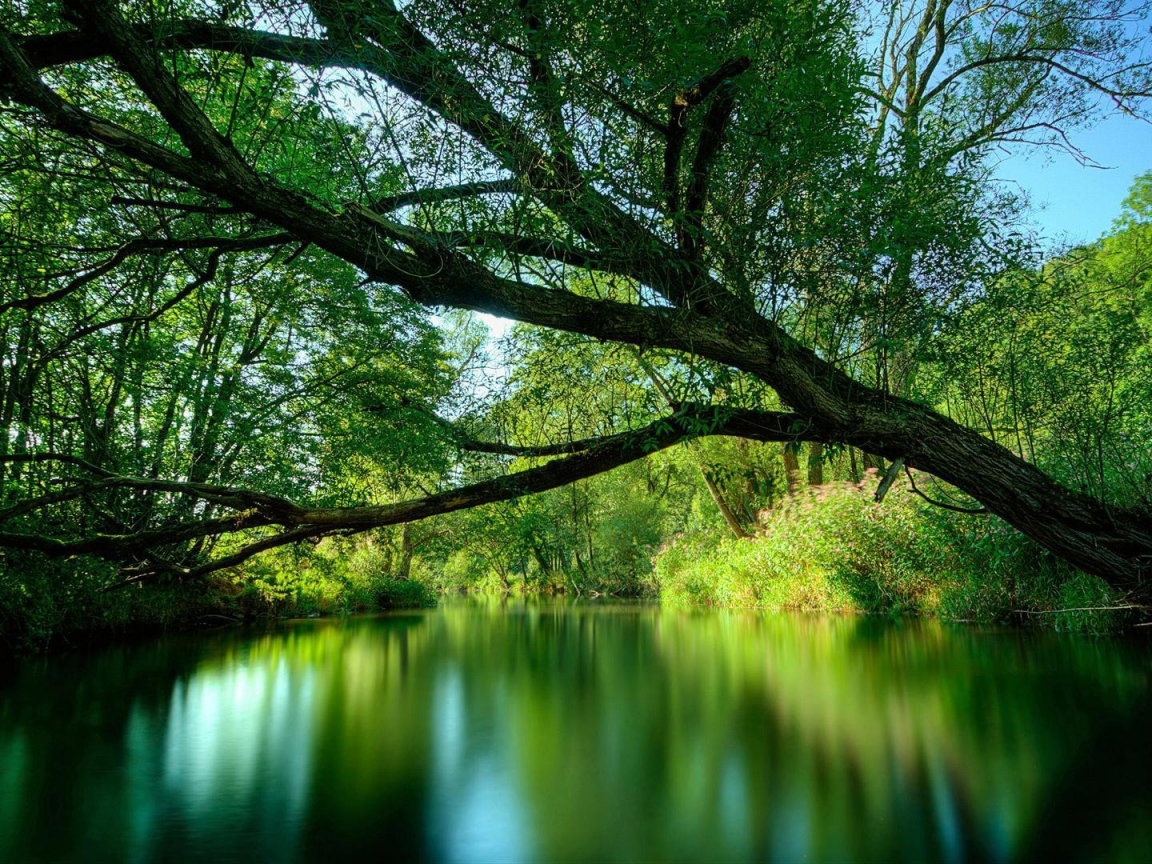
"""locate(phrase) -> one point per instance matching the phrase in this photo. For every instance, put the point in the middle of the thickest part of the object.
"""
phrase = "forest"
(318, 307)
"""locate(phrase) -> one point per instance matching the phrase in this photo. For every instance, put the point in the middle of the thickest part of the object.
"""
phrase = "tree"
(703, 183)
(1053, 362)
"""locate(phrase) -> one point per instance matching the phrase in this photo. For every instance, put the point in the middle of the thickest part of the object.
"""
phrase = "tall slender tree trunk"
(815, 464)
(791, 468)
(726, 511)
(403, 570)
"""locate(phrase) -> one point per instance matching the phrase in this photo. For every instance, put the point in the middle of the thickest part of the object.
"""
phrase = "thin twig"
(1079, 609)
(953, 507)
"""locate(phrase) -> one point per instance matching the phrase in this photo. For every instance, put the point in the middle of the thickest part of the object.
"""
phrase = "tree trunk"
(403, 570)
(815, 464)
(718, 497)
(791, 468)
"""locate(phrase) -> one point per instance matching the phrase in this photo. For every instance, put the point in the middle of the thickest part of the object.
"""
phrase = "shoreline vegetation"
(834, 548)
(829, 549)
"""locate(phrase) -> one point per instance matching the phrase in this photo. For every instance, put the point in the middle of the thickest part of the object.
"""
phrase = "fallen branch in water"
(1081, 609)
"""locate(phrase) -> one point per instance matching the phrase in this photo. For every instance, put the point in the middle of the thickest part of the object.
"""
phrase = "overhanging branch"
(257, 510)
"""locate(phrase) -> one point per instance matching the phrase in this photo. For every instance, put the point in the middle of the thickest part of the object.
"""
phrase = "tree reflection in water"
(517, 731)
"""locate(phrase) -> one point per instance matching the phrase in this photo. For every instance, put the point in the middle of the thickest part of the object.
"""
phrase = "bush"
(833, 548)
(338, 576)
(43, 599)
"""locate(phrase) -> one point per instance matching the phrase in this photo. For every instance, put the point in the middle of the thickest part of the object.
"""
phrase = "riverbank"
(46, 603)
(835, 549)
(831, 549)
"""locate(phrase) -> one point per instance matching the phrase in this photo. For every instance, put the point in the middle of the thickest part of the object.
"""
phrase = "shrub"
(42, 599)
(834, 548)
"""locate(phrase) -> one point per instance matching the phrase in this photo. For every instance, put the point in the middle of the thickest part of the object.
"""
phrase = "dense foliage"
(753, 246)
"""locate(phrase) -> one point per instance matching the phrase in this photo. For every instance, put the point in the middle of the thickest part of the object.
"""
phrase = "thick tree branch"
(256, 509)
(411, 62)
(389, 203)
(400, 55)
(141, 61)
(707, 149)
(686, 220)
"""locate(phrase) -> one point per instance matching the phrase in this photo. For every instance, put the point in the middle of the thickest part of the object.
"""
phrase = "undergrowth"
(44, 600)
(834, 548)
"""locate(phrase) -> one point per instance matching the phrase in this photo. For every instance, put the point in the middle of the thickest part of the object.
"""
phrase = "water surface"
(485, 732)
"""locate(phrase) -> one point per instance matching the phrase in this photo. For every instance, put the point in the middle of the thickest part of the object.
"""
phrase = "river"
(487, 731)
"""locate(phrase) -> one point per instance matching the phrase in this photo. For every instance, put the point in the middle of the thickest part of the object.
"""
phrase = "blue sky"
(1077, 203)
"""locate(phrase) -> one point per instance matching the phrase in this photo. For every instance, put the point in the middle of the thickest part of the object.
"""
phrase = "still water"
(486, 732)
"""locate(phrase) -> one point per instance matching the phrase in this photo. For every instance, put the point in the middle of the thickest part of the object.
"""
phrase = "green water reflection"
(582, 733)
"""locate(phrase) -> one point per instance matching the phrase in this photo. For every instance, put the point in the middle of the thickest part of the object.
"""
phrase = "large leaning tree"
(792, 191)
